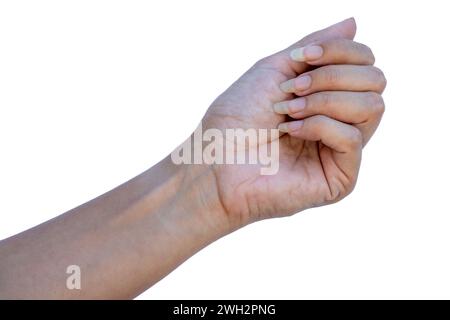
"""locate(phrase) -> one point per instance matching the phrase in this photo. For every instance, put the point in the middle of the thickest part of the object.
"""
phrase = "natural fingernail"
(297, 105)
(288, 86)
(281, 107)
(290, 126)
(303, 83)
(312, 52)
(299, 84)
(283, 127)
(290, 107)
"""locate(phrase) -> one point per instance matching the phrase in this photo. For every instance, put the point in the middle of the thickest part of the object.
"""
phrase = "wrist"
(194, 202)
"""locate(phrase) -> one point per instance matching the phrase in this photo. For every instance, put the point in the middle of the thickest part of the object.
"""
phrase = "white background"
(94, 92)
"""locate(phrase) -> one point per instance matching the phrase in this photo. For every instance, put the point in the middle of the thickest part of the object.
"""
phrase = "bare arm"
(129, 238)
(123, 241)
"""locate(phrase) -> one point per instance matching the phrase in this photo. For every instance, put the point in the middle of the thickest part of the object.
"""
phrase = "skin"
(319, 161)
(129, 238)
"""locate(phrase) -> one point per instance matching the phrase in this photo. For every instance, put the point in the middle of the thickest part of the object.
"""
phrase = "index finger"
(334, 51)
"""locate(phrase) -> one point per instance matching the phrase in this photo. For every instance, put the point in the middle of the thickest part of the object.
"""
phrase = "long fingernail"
(303, 83)
(290, 126)
(288, 86)
(300, 84)
(281, 107)
(312, 52)
(297, 105)
(290, 107)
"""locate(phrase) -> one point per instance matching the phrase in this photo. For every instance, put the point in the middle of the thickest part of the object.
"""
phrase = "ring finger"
(362, 109)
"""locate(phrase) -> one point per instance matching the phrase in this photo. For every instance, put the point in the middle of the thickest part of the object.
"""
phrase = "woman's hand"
(325, 94)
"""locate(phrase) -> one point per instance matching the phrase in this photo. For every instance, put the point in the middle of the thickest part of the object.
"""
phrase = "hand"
(324, 95)
(333, 93)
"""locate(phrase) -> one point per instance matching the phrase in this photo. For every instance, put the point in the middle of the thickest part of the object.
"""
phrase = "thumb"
(344, 29)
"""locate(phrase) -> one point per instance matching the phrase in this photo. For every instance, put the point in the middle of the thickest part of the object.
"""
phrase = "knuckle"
(319, 101)
(355, 139)
(376, 103)
(331, 75)
(381, 79)
(369, 54)
(325, 100)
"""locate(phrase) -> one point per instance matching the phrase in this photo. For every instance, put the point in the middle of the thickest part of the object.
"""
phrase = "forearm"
(123, 241)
